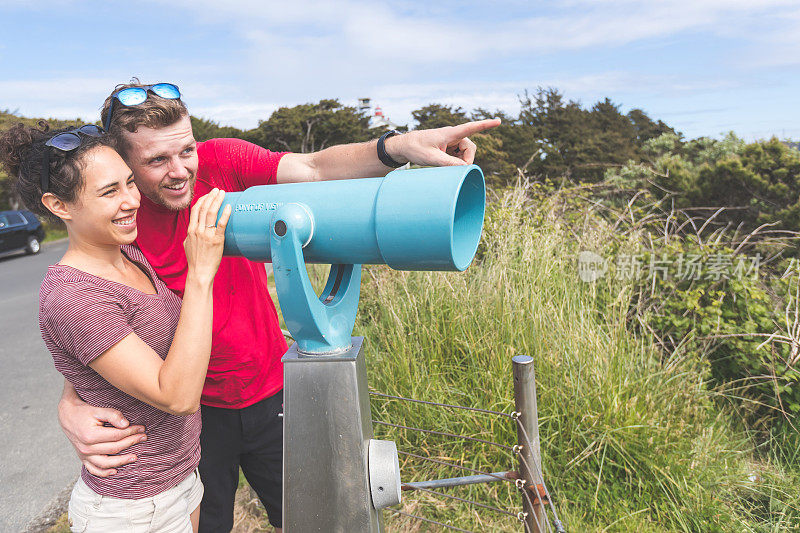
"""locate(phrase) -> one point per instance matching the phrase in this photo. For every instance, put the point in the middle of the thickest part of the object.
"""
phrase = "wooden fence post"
(530, 464)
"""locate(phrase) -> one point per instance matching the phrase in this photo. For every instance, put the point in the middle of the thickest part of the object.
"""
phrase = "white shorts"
(167, 512)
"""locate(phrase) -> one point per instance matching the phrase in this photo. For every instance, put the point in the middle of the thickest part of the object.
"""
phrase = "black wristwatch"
(385, 158)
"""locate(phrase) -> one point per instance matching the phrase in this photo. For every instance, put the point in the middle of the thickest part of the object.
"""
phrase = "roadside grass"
(61, 525)
(54, 231)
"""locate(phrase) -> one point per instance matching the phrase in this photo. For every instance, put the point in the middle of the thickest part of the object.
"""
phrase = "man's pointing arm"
(448, 146)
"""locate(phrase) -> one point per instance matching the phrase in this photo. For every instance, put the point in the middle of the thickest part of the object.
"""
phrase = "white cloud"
(243, 115)
(359, 30)
(469, 53)
(82, 96)
(398, 100)
(777, 45)
(242, 107)
(66, 98)
(307, 50)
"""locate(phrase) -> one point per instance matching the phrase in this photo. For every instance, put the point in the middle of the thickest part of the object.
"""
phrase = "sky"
(705, 67)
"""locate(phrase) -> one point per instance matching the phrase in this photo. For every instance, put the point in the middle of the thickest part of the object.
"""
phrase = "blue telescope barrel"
(417, 219)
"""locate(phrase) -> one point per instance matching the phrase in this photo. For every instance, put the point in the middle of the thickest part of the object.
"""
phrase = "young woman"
(114, 329)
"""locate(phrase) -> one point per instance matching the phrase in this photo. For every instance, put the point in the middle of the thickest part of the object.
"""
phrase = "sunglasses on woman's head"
(65, 141)
(137, 95)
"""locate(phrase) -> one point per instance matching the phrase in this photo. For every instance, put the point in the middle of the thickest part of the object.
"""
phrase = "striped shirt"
(81, 316)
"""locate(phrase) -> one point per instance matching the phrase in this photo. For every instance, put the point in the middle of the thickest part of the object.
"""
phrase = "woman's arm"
(174, 385)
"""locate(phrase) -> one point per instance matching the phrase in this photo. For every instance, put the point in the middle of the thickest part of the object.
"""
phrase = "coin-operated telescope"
(336, 476)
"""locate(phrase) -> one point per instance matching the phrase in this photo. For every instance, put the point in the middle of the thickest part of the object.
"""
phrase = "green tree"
(495, 147)
(577, 143)
(757, 183)
(438, 116)
(646, 128)
(559, 130)
(613, 137)
(762, 184)
(8, 197)
(205, 129)
(311, 127)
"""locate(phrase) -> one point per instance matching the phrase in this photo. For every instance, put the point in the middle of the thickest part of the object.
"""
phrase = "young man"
(242, 396)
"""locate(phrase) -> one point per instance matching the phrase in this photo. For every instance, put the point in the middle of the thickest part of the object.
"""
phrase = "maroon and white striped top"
(81, 316)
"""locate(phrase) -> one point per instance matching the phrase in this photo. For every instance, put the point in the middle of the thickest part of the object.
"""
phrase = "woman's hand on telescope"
(205, 237)
(439, 147)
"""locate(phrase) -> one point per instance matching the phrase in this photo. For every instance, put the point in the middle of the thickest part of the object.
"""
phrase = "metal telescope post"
(335, 476)
(327, 430)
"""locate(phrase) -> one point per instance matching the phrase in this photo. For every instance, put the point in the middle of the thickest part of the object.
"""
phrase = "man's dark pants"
(250, 438)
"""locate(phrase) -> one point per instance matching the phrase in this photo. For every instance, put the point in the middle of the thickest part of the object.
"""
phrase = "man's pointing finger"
(467, 129)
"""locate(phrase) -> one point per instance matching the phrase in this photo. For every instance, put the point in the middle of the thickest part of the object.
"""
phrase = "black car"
(20, 230)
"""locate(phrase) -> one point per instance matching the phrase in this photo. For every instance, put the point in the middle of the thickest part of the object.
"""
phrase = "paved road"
(37, 461)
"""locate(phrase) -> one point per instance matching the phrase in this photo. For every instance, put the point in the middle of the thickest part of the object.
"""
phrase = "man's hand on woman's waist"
(96, 444)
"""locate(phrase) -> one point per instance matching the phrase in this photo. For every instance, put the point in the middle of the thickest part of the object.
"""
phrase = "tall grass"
(629, 442)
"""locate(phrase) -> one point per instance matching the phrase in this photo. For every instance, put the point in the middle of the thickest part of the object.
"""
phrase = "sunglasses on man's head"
(65, 141)
(137, 95)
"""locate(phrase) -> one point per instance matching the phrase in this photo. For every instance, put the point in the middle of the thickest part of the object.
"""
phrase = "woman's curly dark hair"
(22, 154)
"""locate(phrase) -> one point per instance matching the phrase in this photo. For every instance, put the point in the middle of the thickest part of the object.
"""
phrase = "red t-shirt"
(247, 343)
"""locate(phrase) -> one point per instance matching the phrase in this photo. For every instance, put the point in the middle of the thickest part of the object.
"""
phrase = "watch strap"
(385, 158)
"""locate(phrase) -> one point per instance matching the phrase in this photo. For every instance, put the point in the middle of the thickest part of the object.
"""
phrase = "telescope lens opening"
(468, 219)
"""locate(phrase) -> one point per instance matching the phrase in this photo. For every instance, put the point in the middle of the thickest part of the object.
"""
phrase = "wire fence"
(536, 511)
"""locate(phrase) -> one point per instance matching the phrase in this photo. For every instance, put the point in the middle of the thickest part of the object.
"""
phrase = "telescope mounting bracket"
(320, 325)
